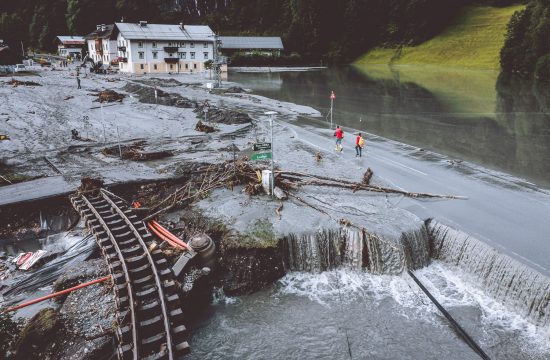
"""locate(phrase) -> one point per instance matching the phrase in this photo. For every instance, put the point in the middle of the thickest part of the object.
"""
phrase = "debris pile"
(222, 116)
(109, 96)
(146, 94)
(160, 82)
(15, 83)
(135, 152)
(202, 127)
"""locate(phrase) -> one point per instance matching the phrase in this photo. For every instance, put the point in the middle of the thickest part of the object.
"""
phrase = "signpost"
(262, 156)
(332, 98)
(262, 146)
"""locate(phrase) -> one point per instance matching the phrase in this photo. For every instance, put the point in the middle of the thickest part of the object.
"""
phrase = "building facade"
(160, 48)
(268, 45)
(70, 46)
(102, 45)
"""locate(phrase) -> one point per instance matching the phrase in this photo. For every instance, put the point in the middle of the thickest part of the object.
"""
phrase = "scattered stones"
(88, 184)
(160, 82)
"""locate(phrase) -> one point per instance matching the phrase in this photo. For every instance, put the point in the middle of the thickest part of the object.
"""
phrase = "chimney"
(143, 23)
(102, 27)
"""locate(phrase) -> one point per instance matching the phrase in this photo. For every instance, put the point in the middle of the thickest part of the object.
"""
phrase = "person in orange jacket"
(359, 144)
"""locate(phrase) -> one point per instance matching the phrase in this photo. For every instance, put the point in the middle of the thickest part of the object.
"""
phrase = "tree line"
(325, 31)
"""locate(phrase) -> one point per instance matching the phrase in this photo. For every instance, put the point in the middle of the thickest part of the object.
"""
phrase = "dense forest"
(527, 46)
(325, 31)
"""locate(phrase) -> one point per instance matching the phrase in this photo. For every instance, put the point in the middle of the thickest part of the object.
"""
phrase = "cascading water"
(355, 249)
(508, 280)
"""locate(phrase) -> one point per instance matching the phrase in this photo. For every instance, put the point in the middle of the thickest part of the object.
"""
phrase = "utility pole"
(217, 65)
(271, 115)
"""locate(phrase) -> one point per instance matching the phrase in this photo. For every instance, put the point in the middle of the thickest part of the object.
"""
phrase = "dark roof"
(251, 42)
(98, 33)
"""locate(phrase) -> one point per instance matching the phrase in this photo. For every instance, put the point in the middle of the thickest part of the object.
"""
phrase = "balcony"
(122, 59)
(172, 60)
(122, 48)
(171, 49)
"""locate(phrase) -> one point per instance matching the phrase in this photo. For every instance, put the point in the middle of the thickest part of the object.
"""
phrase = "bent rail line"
(149, 313)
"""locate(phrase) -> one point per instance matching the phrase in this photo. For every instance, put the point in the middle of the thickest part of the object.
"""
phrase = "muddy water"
(472, 115)
(343, 314)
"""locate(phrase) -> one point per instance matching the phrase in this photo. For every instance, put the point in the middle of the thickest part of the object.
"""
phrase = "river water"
(348, 313)
(502, 124)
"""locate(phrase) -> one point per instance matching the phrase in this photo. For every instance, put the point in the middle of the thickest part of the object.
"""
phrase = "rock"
(37, 335)
(80, 273)
(279, 193)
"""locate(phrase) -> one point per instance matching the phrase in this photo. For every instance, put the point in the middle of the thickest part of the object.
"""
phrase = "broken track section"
(149, 313)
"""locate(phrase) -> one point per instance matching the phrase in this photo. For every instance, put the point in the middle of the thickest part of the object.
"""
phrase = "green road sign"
(262, 156)
(262, 146)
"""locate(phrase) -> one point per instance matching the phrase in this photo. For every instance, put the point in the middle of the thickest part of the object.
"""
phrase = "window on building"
(155, 54)
(192, 45)
(169, 44)
(192, 55)
(141, 66)
(182, 44)
(140, 44)
(141, 55)
(171, 66)
(181, 55)
(205, 45)
(187, 66)
(154, 44)
(205, 56)
(155, 66)
(170, 55)
(194, 66)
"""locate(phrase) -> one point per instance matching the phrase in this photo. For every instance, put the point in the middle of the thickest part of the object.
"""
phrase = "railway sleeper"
(126, 239)
(136, 261)
(124, 334)
(140, 272)
(176, 316)
(126, 352)
(157, 356)
(182, 348)
(132, 250)
(153, 343)
(145, 281)
(152, 325)
(148, 293)
(150, 308)
(122, 302)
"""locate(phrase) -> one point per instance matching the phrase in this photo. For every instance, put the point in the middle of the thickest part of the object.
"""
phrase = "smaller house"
(102, 44)
(70, 46)
(247, 44)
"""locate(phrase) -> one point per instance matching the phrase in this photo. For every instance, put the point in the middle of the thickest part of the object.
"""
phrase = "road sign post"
(332, 97)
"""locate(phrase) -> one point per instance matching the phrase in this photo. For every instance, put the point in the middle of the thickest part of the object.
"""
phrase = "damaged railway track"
(149, 310)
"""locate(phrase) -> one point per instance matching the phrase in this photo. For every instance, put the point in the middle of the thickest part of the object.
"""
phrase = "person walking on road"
(339, 133)
(359, 144)
(78, 82)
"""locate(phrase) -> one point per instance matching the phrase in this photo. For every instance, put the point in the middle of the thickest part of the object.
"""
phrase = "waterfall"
(509, 281)
(355, 249)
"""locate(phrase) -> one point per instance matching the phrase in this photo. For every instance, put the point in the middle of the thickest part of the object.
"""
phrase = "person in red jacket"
(339, 133)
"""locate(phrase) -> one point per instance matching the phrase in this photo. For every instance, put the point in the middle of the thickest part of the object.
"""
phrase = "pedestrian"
(339, 133)
(359, 144)
(78, 82)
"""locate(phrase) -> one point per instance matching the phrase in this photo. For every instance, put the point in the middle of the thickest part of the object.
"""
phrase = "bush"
(542, 69)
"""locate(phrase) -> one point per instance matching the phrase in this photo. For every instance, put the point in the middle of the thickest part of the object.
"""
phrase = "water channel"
(346, 313)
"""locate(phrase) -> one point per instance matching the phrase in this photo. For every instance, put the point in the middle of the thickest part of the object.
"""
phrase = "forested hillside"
(319, 30)
(527, 46)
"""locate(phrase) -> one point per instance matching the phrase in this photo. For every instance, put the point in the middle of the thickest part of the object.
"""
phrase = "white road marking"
(399, 164)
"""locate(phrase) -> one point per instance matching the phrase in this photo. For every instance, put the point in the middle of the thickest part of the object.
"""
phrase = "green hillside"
(473, 41)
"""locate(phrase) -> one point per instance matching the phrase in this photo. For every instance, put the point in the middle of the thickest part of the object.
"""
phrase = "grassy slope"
(473, 41)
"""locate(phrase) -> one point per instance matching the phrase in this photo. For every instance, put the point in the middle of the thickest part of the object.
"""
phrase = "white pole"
(272, 153)
(331, 105)
(119, 147)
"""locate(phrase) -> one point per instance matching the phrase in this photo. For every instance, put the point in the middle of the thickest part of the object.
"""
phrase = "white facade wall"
(106, 54)
(141, 58)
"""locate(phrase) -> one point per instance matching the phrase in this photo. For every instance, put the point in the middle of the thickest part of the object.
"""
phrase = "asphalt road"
(511, 215)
